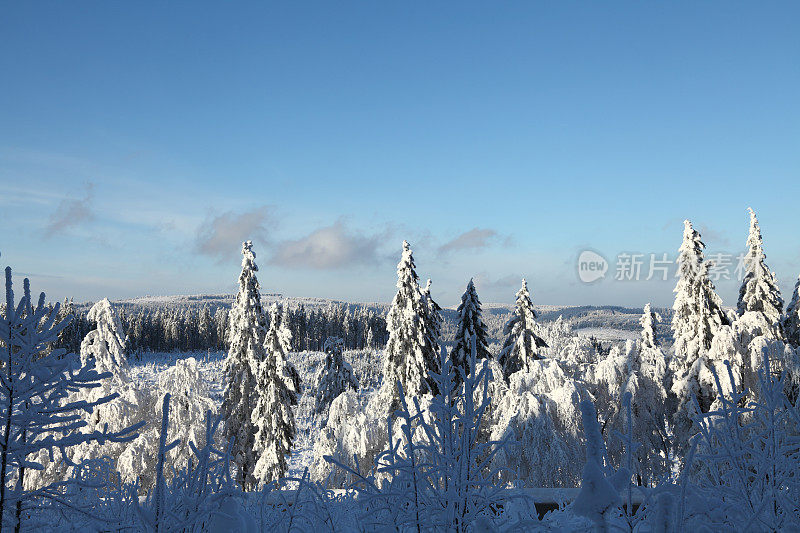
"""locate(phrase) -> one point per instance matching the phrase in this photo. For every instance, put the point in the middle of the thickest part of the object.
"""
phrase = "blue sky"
(140, 142)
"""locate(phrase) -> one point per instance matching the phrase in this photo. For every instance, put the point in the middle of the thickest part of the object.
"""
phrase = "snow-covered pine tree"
(791, 320)
(434, 315)
(247, 331)
(759, 292)
(335, 377)
(470, 324)
(522, 341)
(278, 387)
(698, 315)
(411, 351)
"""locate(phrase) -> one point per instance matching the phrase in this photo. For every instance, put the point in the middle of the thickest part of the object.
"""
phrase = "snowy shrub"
(747, 463)
(348, 436)
(538, 415)
(334, 378)
(433, 473)
(190, 402)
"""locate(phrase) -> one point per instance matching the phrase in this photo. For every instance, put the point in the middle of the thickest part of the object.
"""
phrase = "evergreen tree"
(411, 348)
(791, 321)
(522, 342)
(272, 416)
(242, 368)
(470, 325)
(647, 321)
(106, 344)
(759, 292)
(698, 316)
(697, 308)
(434, 315)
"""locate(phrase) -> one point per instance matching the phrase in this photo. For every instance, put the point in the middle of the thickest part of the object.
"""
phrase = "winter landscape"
(385, 268)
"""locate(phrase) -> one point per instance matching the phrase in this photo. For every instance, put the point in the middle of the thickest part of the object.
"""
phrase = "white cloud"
(474, 239)
(222, 236)
(329, 247)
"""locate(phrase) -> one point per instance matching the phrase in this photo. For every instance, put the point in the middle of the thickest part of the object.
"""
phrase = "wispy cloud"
(329, 247)
(474, 239)
(221, 236)
(484, 281)
(71, 212)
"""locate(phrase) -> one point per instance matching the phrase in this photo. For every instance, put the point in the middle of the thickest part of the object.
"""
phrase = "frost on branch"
(39, 417)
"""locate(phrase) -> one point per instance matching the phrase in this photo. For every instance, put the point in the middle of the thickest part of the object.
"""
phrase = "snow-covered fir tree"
(411, 351)
(522, 341)
(278, 342)
(247, 331)
(698, 315)
(335, 376)
(470, 325)
(759, 292)
(434, 314)
(278, 387)
(791, 320)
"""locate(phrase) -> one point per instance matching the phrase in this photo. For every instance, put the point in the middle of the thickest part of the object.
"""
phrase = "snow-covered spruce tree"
(759, 293)
(411, 352)
(335, 377)
(791, 320)
(105, 345)
(470, 324)
(38, 417)
(647, 321)
(247, 331)
(278, 387)
(434, 315)
(698, 315)
(522, 339)
(278, 342)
